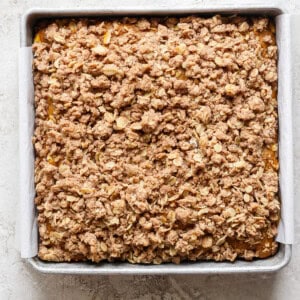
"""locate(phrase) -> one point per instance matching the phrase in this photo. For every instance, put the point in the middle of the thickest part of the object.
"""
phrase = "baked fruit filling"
(156, 139)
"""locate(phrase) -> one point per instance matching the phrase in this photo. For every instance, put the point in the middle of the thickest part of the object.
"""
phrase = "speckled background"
(19, 281)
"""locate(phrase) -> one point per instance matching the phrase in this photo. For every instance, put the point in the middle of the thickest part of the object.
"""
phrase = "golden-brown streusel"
(156, 139)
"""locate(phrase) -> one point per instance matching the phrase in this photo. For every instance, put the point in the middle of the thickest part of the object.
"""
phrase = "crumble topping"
(156, 139)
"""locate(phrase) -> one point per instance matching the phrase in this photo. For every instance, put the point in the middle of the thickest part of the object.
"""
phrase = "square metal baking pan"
(271, 264)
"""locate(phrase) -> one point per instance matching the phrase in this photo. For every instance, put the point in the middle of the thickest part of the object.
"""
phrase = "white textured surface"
(19, 281)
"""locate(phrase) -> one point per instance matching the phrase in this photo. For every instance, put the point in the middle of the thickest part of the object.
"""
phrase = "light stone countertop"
(19, 281)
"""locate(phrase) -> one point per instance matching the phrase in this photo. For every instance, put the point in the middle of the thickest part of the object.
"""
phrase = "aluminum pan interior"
(271, 264)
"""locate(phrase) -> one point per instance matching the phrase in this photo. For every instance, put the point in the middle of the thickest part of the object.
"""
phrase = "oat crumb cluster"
(156, 139)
